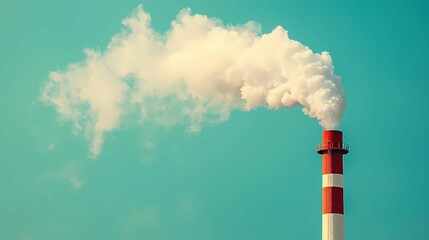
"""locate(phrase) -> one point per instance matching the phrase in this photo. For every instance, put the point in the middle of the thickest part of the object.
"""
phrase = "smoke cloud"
(194, 74)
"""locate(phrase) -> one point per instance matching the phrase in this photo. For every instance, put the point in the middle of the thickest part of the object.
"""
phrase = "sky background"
(256, 176)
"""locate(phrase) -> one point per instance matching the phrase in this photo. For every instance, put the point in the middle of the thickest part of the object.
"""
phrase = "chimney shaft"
(332, 150)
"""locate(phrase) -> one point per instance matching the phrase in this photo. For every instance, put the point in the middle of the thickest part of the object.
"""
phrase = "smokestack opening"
(332, 140)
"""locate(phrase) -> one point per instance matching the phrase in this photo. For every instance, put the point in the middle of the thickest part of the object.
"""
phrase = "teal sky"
(256, 176)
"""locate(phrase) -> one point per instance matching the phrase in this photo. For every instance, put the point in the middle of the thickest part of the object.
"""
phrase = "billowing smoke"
(194, 74)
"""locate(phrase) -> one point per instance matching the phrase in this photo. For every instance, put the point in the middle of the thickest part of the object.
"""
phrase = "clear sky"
(255, 176)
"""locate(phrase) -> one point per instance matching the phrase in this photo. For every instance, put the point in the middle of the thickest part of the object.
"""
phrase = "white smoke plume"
(195, 73)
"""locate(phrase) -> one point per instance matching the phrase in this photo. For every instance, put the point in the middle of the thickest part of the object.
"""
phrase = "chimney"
(332, 150)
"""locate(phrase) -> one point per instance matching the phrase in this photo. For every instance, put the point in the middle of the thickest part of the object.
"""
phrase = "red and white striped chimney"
(332, 150)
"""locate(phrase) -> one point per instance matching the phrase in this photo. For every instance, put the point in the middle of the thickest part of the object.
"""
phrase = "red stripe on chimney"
(332, 163)
(332, 200)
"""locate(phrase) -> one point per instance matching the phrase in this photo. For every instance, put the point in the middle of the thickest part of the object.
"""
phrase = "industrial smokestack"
(332, 150)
